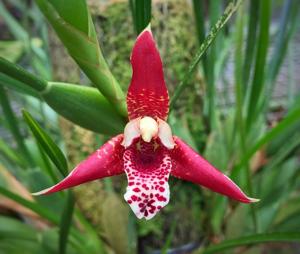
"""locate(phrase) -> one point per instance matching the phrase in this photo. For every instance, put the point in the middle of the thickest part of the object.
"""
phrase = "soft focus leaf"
(230, 9)
(253, 239)
(65, 222)
(115, 222)
(11, 50)
(13, 125)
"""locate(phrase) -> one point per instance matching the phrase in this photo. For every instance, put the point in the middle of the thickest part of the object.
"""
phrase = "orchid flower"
(147, 151)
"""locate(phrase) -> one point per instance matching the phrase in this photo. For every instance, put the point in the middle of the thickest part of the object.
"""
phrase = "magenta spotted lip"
(147, 151)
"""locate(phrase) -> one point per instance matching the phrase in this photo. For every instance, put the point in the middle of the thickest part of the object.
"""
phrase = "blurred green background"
(231, 68)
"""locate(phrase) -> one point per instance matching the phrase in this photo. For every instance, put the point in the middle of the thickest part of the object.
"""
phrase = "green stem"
(20, 74)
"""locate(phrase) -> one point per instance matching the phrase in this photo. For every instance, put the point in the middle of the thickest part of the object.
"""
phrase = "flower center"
(148, 128)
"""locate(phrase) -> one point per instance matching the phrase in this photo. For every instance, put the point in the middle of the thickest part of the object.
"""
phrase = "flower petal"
(148, 189)
(190, 166)
(106, 161)
(131, 132)
(165, 134)
(147, 93)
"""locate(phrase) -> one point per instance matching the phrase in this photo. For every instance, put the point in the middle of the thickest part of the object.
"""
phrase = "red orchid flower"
(147, 152)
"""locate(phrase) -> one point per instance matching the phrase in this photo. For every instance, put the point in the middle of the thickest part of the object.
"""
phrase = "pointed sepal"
(190, 166)
(147, 93)
(106, 161)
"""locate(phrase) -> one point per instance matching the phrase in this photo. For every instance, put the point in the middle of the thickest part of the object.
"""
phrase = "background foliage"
(231, 69)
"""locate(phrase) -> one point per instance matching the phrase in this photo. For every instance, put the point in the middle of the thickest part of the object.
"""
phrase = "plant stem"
(20, 74)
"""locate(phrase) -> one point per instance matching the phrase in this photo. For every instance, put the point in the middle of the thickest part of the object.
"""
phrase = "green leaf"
(11, 228)
(253, 239)
(251, 38)
(12, 155)
(84, 48)
(142, 14)
(17, 86)
(11, 50)
(14, 126)
(258, 83)
(48, 145)
(73, 12)
(230, 9)
(18, 31)
(84, 106)
(290, 119)
(288, 25)
(30, 205)
(66, 222)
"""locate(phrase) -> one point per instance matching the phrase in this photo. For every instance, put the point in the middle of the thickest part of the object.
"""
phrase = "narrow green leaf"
(214, 12)
(230, 9)
(147, 9)
(14, 126)
(18, 31)
(13, 228)
(258, 83)
(48, 145)
(253, 239)
(251, 38)
(43, 212)
(141, 15)
(133, 13)
(169, 238)
(11, 154)
(239, 106)
(46, 164)
(291, 118)
(198, 7)
(139, 8)
(288, 25)
(66, 222)
(11, 50)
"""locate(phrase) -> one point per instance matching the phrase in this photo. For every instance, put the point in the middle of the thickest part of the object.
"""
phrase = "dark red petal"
(147, 93)
(147, 174)
(106, 161)
(190, 166)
